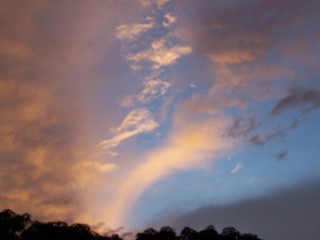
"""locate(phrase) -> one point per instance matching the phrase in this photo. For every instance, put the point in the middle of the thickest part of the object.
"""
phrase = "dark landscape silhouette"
(22, 227)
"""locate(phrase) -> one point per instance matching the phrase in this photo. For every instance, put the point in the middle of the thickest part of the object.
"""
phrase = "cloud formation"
(288, 213)
(136, 122)
(131, 32)
(298, 97)
(159, 54)
(244, 40)
(236, 169)
(188, 147)
(51, 55)
(65, 68)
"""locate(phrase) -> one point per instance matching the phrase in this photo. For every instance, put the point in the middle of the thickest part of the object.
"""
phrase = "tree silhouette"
(148, 234)
(209, 233)
(12, 224)
(230, 233)
(21, 227)
(188, 233)
(167, 233)
(249, 236)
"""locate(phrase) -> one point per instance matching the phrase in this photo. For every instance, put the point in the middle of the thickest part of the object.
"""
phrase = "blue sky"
(147, 113)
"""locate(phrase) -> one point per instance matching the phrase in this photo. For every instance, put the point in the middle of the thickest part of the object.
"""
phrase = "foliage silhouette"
(21, 227)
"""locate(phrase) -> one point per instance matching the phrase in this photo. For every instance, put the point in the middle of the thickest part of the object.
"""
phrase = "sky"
(126, 114)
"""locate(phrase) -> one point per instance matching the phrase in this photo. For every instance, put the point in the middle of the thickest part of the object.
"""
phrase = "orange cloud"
(159, 54)
(51, 64)
(189, 147)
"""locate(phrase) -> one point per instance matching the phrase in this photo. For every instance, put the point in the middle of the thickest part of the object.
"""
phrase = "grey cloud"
(294, 124)
(248, 25)
(309, 99)
(251, 42)
(260, 139)
(291, 213)
(281, 155)
(242, 126)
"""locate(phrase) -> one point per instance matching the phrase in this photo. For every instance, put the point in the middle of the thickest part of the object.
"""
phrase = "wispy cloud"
(151, 89)
(309, 99)
(261, 139)
(159, 54)
(236, 169)
(188, 147)
(281, 155)
(48, 77)
(132, 31)
(136, 122)
(160, 3)
(242, 126)
(169, 20)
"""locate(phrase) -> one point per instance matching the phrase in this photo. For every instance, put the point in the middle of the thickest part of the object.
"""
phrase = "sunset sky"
(138, 113)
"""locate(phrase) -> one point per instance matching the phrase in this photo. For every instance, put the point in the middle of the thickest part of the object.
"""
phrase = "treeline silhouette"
(22, 227)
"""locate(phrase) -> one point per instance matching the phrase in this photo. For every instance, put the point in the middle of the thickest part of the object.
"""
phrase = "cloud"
(261, 139)
(136, 122)
(145, 3)
(161, 3)
(190, 146)
(297, 97)
(131, 32)
(151, 90)
(54, 59)
(94, 165)
(212, 102)
(242, 126)
(247, 42)
(281, 155)
(253, 61)
(236, 169)
(285, 209)
(169, 20)
(159, 54)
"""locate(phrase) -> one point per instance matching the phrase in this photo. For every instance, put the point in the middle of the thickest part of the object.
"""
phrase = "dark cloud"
(309, 99)
(294, 124)
(281, 155)
(260, 139)
(242, 126)
(286, 214)
(254, 45)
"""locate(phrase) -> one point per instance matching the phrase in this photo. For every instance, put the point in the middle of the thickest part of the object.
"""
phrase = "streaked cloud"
(49, 82)
(188, 147)
(242, 126)
(145, 3)
(131, 32)
(236, 169)
(136, 122)
(95, 165)
(281, 155)
(161, 3)
(151, 90)
(208, 79)
(308, 99)
(261, 139)
(159, 54)
(148, 3)
(169, 20)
